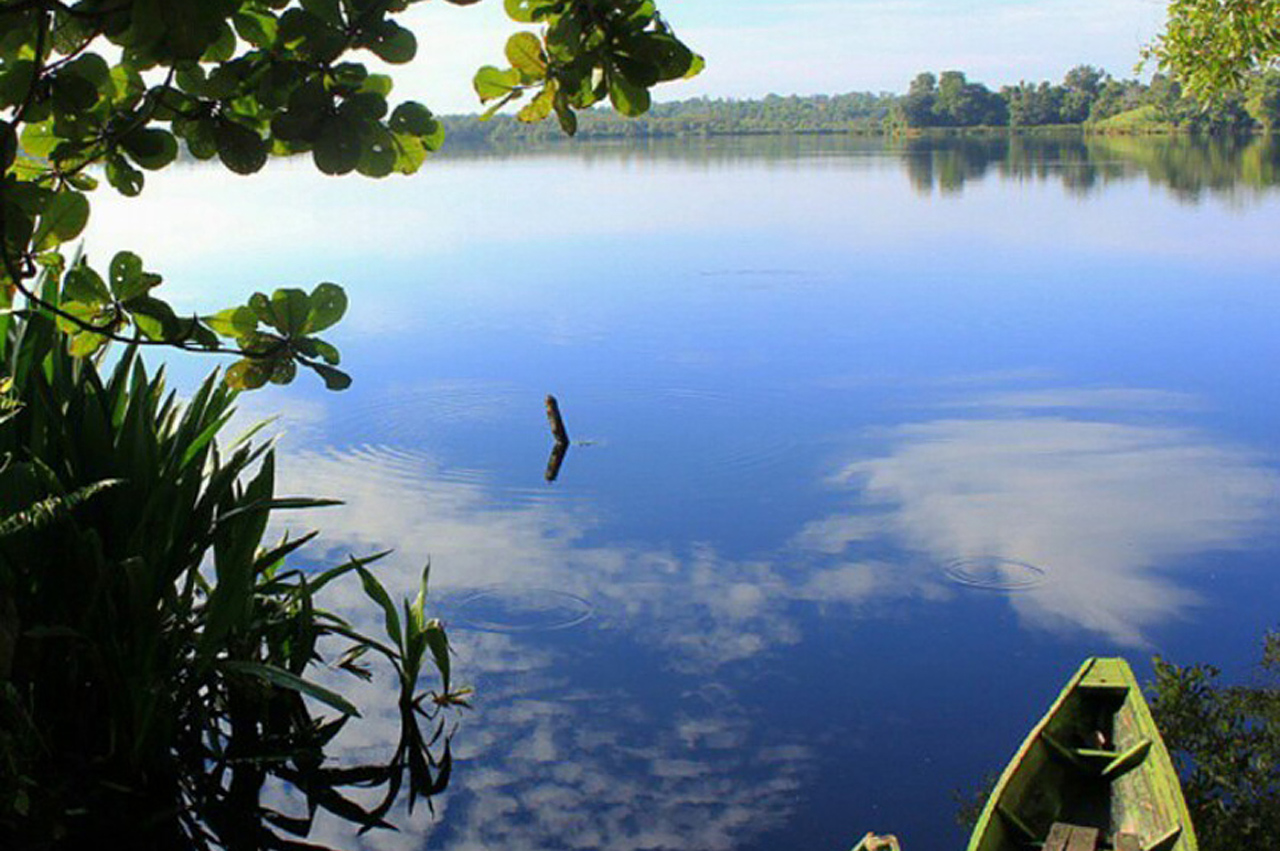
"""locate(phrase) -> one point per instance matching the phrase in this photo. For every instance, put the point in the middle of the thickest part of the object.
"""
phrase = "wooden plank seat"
(1071, 837)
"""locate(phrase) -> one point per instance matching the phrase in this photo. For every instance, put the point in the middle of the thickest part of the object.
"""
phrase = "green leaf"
(378, 153)
(337, 148)
(491, 82)
(284, 679)
(200, 137)
(412, 117)
(85, 343)
(150, 148)
(125, 178)
(439, 644)
(234, 322)
(410, 152)
(524, 52)
(127, 86)
(540, 107)
(125, 275)
(72, 93)
(257, 28)
(528, 11)
(62, 220)
(39, 140)
(377, 83)
(246, 374)
(92, 313)
(565, 114)
(242, 150)
(15, 81)
(376, 592)
(155, 318)
(334, 379)
(328, 305)
(283, 370)
(328, 11)
(83, 284)
(221, 49)
(289, 311)
(363, 107)
(627, 98)
(321, 349)
(393, 43)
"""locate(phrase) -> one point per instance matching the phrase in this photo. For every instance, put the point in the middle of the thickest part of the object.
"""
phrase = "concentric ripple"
(995, 573)
(507, 609)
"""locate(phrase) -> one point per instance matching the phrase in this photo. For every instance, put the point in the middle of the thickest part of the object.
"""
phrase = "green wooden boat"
(1093, 774)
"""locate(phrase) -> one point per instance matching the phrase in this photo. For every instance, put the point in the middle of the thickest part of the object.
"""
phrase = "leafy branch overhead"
(241, 81)
(588, 51)
(1212, 46)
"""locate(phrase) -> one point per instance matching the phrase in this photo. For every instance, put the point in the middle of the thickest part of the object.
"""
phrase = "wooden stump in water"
(556, 421)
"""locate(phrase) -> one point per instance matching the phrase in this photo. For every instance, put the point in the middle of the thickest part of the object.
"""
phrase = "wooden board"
(1071, 837)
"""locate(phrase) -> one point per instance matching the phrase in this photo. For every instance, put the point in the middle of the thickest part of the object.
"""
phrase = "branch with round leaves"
(1213, 46)
(243, 81)
(588, 50)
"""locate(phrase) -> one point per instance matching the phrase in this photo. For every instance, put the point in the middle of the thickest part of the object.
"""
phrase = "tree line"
(1086, 96)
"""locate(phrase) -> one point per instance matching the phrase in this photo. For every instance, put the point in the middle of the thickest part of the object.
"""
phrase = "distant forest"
(1087, 96)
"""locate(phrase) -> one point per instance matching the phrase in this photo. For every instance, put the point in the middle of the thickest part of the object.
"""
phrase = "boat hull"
(1094, 765)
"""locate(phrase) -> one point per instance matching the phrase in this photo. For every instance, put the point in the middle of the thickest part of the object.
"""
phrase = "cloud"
(829, 47)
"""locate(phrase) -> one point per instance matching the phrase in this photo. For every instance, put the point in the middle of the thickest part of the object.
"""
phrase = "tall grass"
(157, 657)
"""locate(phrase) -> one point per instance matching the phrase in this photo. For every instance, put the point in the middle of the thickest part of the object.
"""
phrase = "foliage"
(157, 657)
(590, 50)
(1263, 99)
(854, 112)
(1212, 46)
(112, 88)
(1225, 740)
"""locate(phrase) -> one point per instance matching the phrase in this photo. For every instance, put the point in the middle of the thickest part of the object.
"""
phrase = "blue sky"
(757, 47)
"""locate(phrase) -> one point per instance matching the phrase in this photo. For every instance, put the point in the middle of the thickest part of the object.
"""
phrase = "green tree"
(1262, 99)
(918, 108)
(1225, 740)
(114, 87)
(1211, 46)
(1085, 78)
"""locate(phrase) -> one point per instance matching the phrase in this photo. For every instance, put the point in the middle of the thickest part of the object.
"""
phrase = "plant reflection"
(1191, 168)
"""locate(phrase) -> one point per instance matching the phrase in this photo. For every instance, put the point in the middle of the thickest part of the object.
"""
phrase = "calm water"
(873, 445)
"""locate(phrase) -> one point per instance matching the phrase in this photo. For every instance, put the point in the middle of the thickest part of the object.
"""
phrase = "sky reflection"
(808, 390)
(637, 729)
(1111, 511)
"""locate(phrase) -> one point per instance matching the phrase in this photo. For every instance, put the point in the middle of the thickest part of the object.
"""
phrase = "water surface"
(874, 443)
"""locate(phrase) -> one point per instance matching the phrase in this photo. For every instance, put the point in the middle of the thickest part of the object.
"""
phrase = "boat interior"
(1081, 784)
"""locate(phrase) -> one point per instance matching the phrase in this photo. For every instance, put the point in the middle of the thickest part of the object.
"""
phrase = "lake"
(874, 442)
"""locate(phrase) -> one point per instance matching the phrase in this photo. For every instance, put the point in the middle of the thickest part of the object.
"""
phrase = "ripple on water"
(995, 573)
(501, 608)
(404, 415)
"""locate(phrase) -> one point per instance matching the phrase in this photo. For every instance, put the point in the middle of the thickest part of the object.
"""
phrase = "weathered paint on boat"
(1096, 760)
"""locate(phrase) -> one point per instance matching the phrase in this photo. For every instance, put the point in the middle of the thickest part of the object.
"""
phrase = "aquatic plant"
(158, 657)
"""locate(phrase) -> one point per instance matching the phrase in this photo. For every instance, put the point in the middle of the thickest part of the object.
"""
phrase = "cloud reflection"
(1113, 512)
(628, 734)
